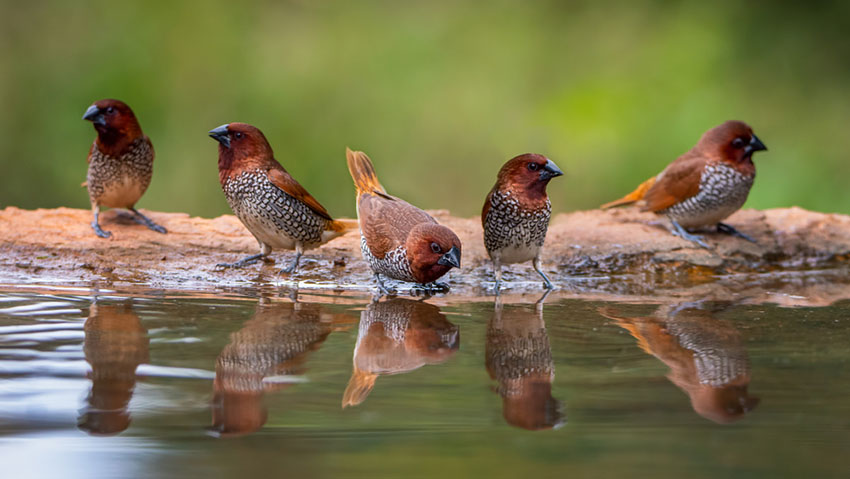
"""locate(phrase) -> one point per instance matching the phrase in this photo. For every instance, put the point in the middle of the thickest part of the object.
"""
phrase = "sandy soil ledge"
(800, 256)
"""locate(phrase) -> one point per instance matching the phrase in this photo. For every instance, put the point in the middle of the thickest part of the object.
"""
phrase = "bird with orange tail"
(397, 336)
(274, 207)
(516, 213)
(706, 355)
(705, 185)
(397, 239)
(120, 162)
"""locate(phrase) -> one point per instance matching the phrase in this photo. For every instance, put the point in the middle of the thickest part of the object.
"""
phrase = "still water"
(154, 385)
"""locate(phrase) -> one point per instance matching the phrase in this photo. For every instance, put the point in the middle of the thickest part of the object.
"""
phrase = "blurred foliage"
(438, 93)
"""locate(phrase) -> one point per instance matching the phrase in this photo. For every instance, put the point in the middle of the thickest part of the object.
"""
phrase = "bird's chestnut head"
(432, 250)
(732, 141)
(240, 146)
(115, 123)
(528, 173)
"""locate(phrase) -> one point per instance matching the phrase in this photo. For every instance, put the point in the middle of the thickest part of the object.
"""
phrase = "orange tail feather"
(632, 197)
(343, 225)
(363, 173)
(359, 387)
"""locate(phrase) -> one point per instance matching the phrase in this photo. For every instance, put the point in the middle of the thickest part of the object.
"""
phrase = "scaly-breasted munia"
(276, 341)
(516, 213)
(120, 162)
(705, 185)
(706, 357)
(518, 356)
(397, 336)
(116, 344)
(397, 239)
(274, 207)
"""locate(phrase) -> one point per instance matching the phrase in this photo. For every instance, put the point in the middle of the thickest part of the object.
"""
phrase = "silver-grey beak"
(94, 115)
(450, 258)
(550, 170)
(221, 135)
(755, 145)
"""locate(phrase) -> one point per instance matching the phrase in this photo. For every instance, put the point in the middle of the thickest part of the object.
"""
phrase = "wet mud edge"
(799, 257)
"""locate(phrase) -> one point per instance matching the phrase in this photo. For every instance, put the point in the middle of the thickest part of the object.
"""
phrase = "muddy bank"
(621, 252)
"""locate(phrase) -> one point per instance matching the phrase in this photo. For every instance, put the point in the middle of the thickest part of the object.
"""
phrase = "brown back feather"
(283, 180)
(678, 182)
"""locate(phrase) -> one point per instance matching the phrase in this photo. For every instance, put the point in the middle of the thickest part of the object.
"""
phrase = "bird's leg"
(382, 288)
(242, 262)
(95, 224)
(265, 250)
(546, 283)
(147, 221)
(293, 267)
(497, 271)
(539, 303)
(730, 230)
(680, 232)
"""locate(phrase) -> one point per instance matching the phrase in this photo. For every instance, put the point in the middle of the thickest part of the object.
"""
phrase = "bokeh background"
(438, 93)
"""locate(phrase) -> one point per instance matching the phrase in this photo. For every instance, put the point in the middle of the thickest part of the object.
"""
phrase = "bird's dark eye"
(436, 248)
(738, 142)
(110, 110)
(238, 135)
(533, 166)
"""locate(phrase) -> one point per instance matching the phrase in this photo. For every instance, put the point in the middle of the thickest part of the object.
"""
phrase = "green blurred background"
(439, 94)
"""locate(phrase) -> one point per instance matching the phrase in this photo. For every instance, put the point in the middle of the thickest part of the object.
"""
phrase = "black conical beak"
(221, 135)
(94, 115)
(550, 170)
(450, 258)
(755, 145)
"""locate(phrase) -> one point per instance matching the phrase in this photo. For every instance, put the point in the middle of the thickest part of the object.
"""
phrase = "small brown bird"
(395, 337)
(397, 239)
(116, 344)
(271, 348)
(120, 162)
(707, 357)
(274, 207)
(705, 185)
(516, 213)
(518, 356)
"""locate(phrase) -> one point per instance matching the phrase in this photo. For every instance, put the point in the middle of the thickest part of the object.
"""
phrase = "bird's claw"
(681, 233)
(730, 230)
(100, 232)
(430, 288)
(157, 228)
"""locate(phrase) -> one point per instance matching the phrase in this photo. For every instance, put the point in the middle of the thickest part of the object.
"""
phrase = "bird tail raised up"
(359, 386)
(632, 197)
(363, 173)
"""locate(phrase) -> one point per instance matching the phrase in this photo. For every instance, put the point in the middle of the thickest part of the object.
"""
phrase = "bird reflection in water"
(518, 356)
(116, 343)
(397, 336)
(706, 357)
(261, 357)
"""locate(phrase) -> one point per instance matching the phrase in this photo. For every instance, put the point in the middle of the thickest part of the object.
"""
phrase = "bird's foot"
(383, 289)
(680, 232)
(142, 219)
(430, 288)
(240, 263)
(293, 266)
(100, 232)
(730, 230)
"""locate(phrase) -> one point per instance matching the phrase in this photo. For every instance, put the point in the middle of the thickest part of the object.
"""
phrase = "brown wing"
(678, 182)
(283, 180)
(386, 221)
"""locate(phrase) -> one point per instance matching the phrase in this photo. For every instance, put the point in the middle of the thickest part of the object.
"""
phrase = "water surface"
(152, 385)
